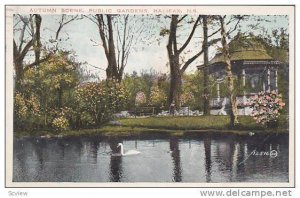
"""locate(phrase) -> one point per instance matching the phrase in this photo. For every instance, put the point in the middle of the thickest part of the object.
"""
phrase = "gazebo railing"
(219, 102)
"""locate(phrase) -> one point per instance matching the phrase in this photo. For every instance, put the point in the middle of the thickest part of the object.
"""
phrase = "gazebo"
(254, 70)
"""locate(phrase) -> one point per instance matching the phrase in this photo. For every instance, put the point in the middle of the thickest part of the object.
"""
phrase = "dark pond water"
(193, 158)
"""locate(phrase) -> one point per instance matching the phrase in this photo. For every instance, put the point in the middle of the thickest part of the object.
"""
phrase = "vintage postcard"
(150, 96)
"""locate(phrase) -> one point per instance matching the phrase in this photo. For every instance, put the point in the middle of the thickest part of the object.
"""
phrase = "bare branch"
(28, 66)
(183, 17)
(235, 27)
(62, 23)
(190, 36)
(215, 32)
(184, 67)
(92, 18)
(96, 67)
(23, 53)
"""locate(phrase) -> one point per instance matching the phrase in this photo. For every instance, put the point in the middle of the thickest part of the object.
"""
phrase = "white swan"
(130, 152)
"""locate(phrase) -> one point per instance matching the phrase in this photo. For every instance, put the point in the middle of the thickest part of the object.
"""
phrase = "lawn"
(196, 123)
(172, 125)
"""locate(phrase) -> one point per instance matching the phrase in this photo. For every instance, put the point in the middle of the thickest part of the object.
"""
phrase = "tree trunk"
(112, 70)
(177, 69)
(59, 97)
(175, 85)
(19, 75)
(230, 77)
(106, 32)
(175, 73)
(37, 39)
(205, 71)
(45, 112)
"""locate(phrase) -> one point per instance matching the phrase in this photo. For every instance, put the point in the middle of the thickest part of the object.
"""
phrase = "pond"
(163, 158)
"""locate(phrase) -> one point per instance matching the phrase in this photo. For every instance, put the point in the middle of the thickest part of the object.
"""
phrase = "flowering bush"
(186, 98)
(140, 98)
(266, 108)
(25, 107)
(100, 100)
(157, 96)
(60, 123)
(21, 108)
(26, 111)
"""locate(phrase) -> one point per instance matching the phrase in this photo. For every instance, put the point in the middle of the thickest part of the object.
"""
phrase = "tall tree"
(28, 28)
(209, 38)
(118, 34)
(174, 52)
(22, 47)
(205, 72)
(229, 75)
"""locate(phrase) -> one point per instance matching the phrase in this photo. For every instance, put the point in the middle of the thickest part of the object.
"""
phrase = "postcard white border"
(209, 10)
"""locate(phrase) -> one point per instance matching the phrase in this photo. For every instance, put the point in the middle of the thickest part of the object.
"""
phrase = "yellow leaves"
(20, 106)
(102, 98)
(26, 106)
(60, 123)
(157, 96)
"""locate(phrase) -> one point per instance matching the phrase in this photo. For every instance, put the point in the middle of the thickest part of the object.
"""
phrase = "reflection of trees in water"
(78, 146)
(234, 156)
(93, 150)
(229, 154)
(238, 160)
(62, 147)
(22, 150)
(68, 149)
(38, 149)
(175, 155)
(225, 156)
(241, 158)
(115, 165)
(207, 150)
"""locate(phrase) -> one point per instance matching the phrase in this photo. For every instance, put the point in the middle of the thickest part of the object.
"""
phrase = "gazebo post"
(244, 89)
(218, 91)
(244, 84)
(264, 86)
(276, 80)
(268, 80)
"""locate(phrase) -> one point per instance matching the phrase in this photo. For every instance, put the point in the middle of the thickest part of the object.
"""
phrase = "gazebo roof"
(245, 50)
(254, 55)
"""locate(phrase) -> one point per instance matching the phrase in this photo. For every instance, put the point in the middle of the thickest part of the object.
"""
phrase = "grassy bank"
(170, 125)
(197, 123)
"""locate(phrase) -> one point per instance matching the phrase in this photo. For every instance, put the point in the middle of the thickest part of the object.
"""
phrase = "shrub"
(60, 123)
(140, 98)
(26, 111)
(100, 100)
(186, 98)
(21, 108)
(157, 97)
(266, 108)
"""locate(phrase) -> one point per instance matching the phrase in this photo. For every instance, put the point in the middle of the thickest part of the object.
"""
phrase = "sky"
(83, 34)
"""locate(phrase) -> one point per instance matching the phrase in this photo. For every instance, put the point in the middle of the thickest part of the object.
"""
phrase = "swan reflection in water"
(127, 153)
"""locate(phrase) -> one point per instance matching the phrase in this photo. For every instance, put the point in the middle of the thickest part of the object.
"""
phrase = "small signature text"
(271, 153)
